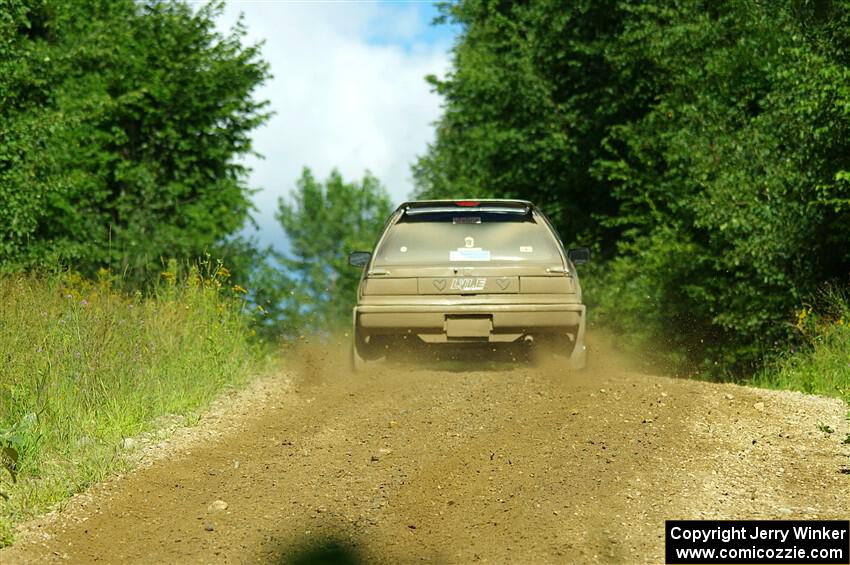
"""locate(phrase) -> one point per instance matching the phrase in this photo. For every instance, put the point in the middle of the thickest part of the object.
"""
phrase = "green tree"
(703, 146)
(739, 161)
(122, 126)
(325, 221)
(527, 104)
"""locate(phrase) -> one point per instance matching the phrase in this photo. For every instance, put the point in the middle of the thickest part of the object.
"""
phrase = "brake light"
(466, 203)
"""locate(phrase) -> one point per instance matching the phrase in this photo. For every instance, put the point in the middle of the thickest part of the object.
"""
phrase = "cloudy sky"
(348, 92)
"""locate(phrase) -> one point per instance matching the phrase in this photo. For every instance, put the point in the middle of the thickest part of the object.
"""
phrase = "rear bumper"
(518, 319)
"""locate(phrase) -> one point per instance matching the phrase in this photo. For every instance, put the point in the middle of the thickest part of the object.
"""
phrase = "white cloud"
(348, 92)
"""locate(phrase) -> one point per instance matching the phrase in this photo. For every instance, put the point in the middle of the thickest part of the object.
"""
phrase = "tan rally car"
(458, 272)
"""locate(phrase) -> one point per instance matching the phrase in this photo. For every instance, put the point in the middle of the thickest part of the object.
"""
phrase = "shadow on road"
(324, 552)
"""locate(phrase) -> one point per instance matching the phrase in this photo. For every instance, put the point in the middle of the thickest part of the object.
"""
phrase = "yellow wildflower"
(801, 317)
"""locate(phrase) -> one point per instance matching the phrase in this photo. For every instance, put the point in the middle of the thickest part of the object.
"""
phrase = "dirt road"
(518, 466)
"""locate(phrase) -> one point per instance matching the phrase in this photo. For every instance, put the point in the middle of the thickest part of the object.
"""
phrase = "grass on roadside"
(823, 369)
(823, 366)
(85, 366)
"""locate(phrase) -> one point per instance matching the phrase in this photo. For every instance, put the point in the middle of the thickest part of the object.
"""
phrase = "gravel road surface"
(515, 465)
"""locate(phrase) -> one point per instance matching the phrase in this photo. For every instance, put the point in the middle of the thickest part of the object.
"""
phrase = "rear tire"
(362, 352)
(358, 363)
(578, 358)
(561, 350)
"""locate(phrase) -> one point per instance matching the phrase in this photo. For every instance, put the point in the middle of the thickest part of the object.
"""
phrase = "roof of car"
(487, 206)
(467, 202)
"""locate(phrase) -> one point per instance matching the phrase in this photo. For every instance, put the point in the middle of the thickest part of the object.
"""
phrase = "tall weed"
(84, 365)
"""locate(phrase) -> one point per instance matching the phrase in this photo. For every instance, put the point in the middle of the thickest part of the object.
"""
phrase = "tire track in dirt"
(522, 465)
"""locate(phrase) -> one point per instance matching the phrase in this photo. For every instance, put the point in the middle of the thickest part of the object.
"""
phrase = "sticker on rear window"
(525, 249)
(469, 254)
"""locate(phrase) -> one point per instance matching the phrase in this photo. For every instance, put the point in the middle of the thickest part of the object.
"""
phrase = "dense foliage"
(120, 125)
(702, 147)
(527, 106)
(325, 221)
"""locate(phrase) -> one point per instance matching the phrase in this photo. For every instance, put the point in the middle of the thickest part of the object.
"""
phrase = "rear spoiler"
(484, 208)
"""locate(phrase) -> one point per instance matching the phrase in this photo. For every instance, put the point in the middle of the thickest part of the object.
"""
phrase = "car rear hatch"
(493, 281)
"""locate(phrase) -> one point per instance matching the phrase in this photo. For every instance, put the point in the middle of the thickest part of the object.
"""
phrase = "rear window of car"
(467, 238)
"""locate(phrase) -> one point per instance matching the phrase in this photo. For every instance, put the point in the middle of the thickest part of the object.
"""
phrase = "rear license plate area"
(469, 326)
